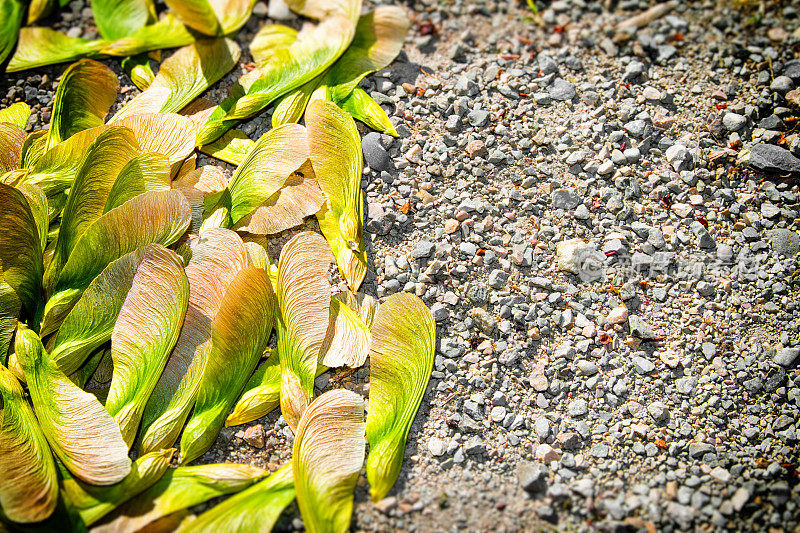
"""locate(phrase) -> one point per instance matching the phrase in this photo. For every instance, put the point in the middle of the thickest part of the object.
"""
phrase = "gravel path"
(604, 221)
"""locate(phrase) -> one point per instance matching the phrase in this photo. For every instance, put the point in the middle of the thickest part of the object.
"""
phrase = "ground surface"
(656, 387)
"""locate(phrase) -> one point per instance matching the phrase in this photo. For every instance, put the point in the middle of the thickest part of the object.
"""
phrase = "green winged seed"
(216, 259)
(86, 92)
(254, 509)
(38, 46)
(301, 62)
(28, 479)
(364, 108)
(93, 503)
(378, 38)
(17, 114)
(144, 334)
(54, 170)
(9, 315)
(327, 459)
(90, 323)
(261, 395)
(262, 392)
(303, 294)
(11, 13)
(73, 421)
(337, 160)
(20, 247)
(180, 488)
(37, 202)
(401, 361)
(232, 147)
(239, 336)
(152, 217)
(139, 70)
(105, 159)
(119, 18)
(183, 76)
(168, 32)
(146, 172)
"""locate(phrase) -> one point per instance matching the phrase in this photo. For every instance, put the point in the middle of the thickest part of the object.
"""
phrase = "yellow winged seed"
(269, 39)
(363, 107)
(17, 114)
(215, 17)
(327, 458)
(303, 294)
(180, 488)
(254, 509)
(79, 430)
(337, 161)
(93, 503)
(216, 259)
(169, 134)
(28, 479)
(12, 137)
(262, 392)
(266, 168)
(240, 333)
(348, 337)
(86, 92)
(401, 361)
(144, 334)
(300, 197)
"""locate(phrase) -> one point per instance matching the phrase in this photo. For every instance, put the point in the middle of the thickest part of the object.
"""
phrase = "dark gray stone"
(787, 357)
(498, 278)
(375, 155)
(532, 477)
(782, 85)
(639, 328)
(423, 249)
(784, 241)
(478, 118)
(771, 158)
(561, 90)
(379, 221)
(566, 199)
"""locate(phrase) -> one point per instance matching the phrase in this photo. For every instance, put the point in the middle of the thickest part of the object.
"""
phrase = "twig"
(643, 19)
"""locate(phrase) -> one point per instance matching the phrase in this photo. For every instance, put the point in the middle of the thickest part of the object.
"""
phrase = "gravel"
(605, 225)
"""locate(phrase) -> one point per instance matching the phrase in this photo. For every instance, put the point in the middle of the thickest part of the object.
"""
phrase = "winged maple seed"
(138, 295)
